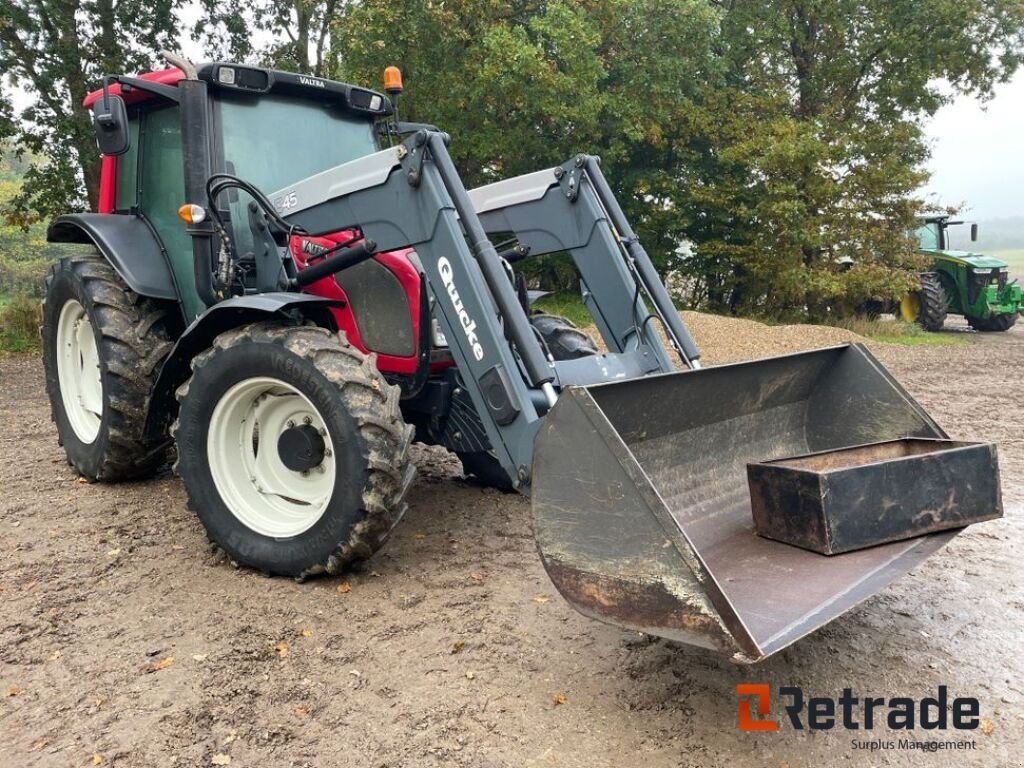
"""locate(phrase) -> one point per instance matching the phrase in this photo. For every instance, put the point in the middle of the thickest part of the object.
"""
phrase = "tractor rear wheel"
(102, 349)
(993, 323)
(928, 306)
(292, 448)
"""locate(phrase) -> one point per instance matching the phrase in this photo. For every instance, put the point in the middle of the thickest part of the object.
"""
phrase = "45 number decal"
(286, 202)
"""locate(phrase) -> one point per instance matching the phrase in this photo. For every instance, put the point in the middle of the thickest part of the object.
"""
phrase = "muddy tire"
(564, 340)
(293, 449)
(928, 306)
(993, 323)
(103, 345)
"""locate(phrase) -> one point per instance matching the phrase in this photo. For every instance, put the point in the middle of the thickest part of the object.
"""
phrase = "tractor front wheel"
(993, 323)
(292, 449)
(102, 349)
(928, 306)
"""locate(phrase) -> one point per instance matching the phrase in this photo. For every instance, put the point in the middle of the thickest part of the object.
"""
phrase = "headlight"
(437, 334)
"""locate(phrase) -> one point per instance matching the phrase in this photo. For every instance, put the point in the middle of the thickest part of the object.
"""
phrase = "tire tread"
(374, 405)
(134, 341)
(934, 303)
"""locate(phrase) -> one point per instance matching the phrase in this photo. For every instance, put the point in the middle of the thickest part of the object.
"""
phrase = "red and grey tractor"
(285, 286)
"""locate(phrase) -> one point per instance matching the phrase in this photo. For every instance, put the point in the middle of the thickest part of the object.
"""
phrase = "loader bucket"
(642, 510)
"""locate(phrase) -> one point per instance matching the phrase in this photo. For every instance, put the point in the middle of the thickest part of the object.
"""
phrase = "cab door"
(161, 191)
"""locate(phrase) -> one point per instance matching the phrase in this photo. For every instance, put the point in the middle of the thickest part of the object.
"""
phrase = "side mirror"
(110, 121)
(974, 233)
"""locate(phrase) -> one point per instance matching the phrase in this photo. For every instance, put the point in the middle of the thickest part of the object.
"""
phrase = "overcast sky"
(978, 153)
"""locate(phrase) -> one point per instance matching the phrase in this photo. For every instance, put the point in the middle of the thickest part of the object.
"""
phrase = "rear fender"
(287, 308)
(127, 242)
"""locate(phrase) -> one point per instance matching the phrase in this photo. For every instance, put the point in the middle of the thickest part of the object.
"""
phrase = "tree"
(782, 139)
(55, 52)
(814, 147)
(25, 256)
(528, 84)
(296, 33)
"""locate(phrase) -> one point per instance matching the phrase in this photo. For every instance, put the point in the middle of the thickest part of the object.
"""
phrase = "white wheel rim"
(241, 445)
(78, 371)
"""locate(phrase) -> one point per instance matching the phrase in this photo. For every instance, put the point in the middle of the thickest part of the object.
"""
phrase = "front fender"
(288, 308)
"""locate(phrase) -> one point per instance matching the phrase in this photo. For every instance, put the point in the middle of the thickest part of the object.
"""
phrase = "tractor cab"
(269, 128)
(265, 126)
(933, 234)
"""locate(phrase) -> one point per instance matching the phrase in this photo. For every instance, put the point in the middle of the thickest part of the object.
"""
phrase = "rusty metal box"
(853, 498)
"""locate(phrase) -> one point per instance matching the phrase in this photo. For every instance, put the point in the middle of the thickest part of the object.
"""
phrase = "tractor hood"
(975, 260)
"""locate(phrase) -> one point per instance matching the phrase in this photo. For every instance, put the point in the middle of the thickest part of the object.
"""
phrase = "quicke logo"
(468, 324)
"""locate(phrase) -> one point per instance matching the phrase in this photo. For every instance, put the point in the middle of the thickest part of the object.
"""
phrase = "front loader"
(290, 286)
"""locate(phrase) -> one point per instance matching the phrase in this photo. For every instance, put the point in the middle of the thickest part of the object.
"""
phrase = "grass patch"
(567, 305)
(19, 324)
(899, 332)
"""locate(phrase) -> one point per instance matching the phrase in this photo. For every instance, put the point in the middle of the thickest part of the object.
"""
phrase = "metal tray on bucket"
(843, 500)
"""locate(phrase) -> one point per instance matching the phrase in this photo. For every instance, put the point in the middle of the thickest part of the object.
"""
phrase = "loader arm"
(411, 195)
(572, 208)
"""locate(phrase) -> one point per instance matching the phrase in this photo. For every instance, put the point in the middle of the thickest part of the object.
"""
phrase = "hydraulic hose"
(329, 266)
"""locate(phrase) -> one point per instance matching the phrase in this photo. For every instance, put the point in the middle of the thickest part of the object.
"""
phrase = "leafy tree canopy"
(815, 149)
(767, 151)
(56, 51)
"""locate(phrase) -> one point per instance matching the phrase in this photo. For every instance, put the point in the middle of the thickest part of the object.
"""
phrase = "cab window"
(273, 141)
(162, 192)
(928, 237)
(126, 181)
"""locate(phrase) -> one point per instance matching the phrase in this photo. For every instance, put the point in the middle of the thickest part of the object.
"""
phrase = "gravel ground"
(730, 339)
(126, 640)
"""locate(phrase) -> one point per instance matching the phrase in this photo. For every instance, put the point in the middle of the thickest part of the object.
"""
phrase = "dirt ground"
(125, 640)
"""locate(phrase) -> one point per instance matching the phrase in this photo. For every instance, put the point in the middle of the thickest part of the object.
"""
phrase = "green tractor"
(960, 283)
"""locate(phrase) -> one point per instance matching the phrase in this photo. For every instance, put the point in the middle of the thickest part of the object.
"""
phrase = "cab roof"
(245, 79)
